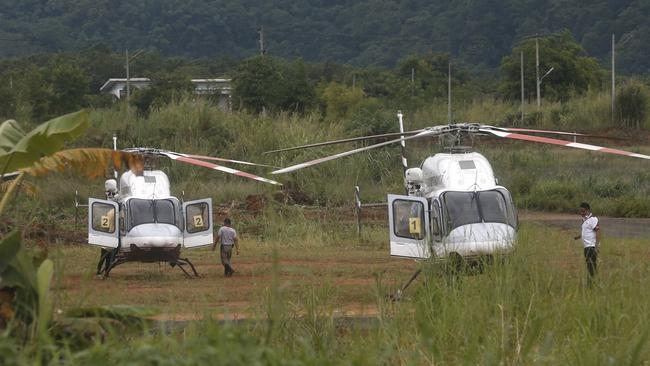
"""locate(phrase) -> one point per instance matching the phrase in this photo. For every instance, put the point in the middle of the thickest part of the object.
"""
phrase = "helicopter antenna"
(405, 164)
(114, 149)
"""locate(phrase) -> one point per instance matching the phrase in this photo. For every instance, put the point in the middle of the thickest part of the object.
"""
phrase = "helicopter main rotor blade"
(546, 140)
(550, 132)
(203, 157)
(352, 139)
(424, 133)
(205, 164)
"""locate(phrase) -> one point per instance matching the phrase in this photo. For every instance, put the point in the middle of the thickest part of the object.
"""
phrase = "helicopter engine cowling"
(458, 171)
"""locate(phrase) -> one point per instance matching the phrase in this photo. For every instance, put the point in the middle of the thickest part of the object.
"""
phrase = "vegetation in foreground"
(533, 309)
(536, 309)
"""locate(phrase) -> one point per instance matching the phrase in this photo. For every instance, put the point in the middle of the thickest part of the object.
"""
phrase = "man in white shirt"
(590, 236)
(228, 238)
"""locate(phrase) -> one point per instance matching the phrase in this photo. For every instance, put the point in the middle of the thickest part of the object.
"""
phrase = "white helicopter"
(454, 207)
(152, 225)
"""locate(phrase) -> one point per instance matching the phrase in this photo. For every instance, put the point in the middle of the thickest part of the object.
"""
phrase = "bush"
(632, 104)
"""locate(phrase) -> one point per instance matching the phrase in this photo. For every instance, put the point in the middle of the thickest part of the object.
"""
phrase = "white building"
(219, 87)
(117, 86)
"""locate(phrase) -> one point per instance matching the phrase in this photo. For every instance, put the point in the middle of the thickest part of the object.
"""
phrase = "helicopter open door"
(198, 223)
(408, 219)
(102, 219)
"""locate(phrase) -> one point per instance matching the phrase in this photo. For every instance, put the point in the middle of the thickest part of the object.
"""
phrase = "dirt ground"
(349, 278)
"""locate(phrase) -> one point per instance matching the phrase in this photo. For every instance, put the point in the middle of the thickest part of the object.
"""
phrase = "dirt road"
(611, 226)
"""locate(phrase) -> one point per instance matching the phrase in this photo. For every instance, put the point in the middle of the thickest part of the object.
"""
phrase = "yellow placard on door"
(105, 222)
(415, 225)
(198, 220)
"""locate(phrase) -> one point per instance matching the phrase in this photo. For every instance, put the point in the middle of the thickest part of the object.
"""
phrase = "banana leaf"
(19, 150)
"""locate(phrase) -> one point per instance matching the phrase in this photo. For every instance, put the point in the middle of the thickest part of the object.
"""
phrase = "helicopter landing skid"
(153, 255)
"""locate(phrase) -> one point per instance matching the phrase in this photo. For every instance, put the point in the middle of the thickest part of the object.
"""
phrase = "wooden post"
(357, 208)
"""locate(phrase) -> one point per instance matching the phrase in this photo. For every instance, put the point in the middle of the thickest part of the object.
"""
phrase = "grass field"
(536, 309)
(308, 291)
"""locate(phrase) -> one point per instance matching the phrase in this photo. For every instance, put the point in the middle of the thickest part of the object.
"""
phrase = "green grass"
(535, 309)
(541, 177)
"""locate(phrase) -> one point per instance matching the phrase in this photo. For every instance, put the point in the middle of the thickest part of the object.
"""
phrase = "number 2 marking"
(198, 220)
(105, 222)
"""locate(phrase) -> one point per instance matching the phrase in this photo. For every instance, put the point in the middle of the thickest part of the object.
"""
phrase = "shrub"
(632, 104)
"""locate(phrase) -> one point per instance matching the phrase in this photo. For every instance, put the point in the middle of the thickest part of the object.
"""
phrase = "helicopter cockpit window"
(466, 208)
(462, 209)
(408, 219)
(141, 212)
(103, 217)
(162, 211)
(165, 212)
(493, 207)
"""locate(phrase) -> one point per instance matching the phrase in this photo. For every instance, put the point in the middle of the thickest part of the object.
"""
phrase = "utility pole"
(521, 63)
(128, 73)
(449, 94)
(539, 101)
(260, 31)
(128, 80)
(405, 165)
(613, 78)
(412, 82)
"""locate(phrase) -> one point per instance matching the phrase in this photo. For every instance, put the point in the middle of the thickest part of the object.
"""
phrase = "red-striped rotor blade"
(576, 145)
(516, 129)
(550, 132)
(292, 168)
(214, 158)
(352, 139)
(205, 164)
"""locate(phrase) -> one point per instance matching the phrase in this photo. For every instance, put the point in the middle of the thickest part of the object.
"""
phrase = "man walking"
(227, 236)
(590, 236)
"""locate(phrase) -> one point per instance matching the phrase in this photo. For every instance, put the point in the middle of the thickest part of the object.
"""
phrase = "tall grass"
(535, 309)
(541, 178)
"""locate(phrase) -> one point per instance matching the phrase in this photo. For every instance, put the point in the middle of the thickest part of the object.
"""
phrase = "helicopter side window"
(197, 218)
(462, 209)
(103, 218)
(435, 219)
(122, 220)
(409, 219)
(493, 207)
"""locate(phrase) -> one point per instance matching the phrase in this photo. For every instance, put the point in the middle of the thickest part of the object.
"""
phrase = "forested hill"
(362, 32)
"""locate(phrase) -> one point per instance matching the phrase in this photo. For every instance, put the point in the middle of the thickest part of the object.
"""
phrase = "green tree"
(574, 72)
(341, 101)
(69, 85)
(257, 84)
(162, 90)
(265, 83)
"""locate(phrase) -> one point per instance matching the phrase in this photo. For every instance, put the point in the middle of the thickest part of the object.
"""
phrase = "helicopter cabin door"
(102, 219)
(408, 219)
(198, 223)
